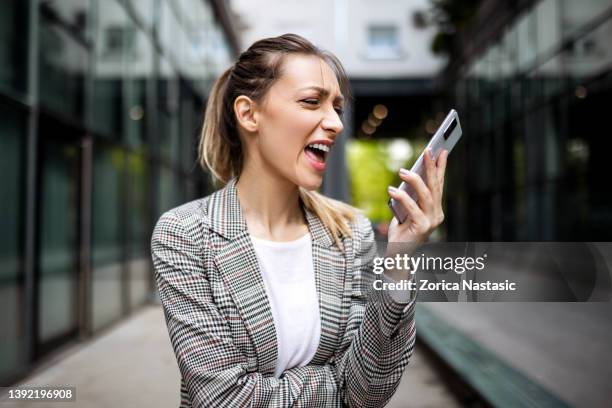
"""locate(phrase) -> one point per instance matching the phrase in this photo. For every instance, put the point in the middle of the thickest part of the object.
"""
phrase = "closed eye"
(338, 110)
(311, 101)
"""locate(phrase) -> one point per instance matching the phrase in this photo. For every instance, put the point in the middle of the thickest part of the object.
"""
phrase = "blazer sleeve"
(380, 335)
(216, 373)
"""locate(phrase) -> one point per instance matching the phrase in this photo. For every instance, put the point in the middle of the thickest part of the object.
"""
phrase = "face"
(298, 121)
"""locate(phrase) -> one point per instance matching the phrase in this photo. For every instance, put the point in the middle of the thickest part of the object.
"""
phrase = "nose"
(332, 122)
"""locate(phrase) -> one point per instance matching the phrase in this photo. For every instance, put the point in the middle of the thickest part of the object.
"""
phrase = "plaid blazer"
(221, 326)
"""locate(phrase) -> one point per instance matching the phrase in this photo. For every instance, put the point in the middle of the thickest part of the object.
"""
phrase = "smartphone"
(445, 137)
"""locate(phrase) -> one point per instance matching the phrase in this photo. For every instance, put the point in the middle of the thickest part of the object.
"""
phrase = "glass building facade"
(532, 88)
(101, 103)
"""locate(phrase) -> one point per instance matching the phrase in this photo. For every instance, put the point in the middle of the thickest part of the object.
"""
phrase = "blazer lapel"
(237, 263)
(330, 271)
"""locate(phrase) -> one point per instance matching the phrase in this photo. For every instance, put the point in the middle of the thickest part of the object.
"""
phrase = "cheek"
(282, 148)
(287, 135)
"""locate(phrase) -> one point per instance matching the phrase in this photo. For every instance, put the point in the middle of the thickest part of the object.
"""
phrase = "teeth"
(319, 146)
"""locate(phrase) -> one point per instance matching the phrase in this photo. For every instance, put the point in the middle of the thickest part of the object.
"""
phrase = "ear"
(246, 113)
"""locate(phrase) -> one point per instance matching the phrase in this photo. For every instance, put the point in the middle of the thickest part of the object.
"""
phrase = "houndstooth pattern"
(221, 325)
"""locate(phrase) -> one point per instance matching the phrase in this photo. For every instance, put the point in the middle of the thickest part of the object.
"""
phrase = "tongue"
(315, 154)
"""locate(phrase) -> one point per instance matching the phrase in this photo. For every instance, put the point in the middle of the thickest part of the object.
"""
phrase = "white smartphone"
(446, 137)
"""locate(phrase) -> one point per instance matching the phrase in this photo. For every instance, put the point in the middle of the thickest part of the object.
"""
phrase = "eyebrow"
(324, 92)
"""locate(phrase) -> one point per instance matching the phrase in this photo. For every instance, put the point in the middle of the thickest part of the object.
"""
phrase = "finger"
(430, 171)
(441, 167)
(411, 206)
(393, 223)
(425, 200)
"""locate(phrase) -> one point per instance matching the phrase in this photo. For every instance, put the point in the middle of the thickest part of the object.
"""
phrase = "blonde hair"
(220, 150)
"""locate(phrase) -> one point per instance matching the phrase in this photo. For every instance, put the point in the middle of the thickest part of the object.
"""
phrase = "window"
(13, 55)
(12, 146)
(63, 58)
(108, 230)
(138, 246)
(383, 42)
(58, 240)
(120, 42)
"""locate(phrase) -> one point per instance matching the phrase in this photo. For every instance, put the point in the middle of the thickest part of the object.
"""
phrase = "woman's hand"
(424, 215)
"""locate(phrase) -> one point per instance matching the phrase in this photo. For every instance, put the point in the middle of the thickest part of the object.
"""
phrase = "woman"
(265, 283)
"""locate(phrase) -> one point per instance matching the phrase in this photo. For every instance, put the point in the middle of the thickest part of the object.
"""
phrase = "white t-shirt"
(288, 275)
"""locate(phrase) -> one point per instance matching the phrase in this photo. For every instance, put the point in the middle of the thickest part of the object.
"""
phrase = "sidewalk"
(133, 365)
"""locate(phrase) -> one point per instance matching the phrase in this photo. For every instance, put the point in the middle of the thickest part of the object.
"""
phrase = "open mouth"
(317, 152)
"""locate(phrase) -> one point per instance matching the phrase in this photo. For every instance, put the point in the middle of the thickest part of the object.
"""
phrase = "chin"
(311, 182)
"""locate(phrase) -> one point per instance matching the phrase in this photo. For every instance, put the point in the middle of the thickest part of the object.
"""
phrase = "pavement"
(563, 347)
(129, 365)
(132, 365)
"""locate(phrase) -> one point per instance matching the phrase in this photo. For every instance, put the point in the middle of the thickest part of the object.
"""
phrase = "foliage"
(450, 17)
(371, 171)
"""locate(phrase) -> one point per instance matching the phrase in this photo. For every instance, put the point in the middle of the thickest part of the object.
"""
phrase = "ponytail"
(220, 149)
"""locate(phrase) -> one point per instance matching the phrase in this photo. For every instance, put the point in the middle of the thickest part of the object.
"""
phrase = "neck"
(270, 205)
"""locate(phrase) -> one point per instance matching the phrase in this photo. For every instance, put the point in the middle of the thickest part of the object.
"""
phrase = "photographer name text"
(427, 285)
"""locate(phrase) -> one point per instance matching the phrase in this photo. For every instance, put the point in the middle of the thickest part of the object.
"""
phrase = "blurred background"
(101, 104)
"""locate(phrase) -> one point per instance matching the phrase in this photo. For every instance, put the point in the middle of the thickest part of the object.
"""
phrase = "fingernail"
(391, 189)
(404, 171)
